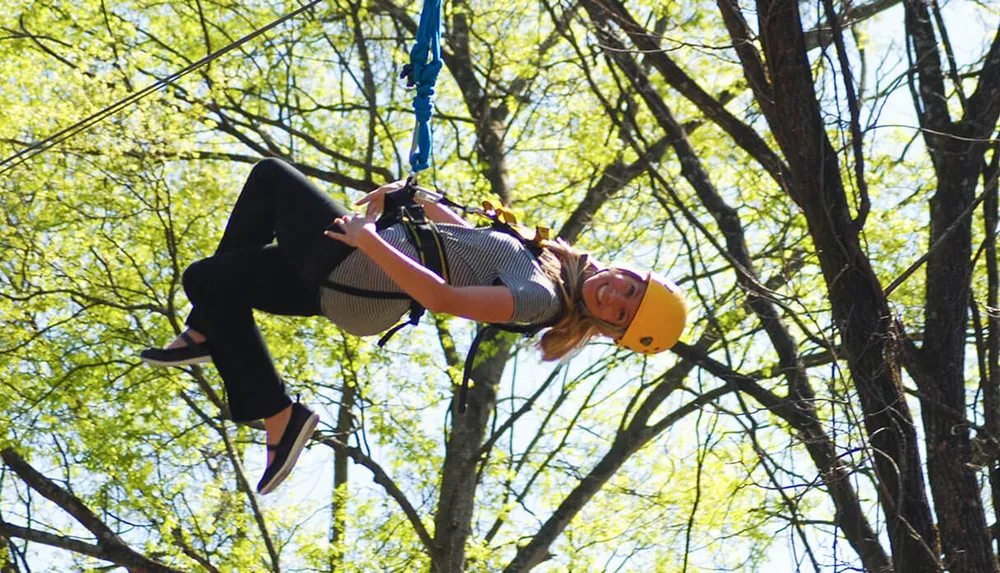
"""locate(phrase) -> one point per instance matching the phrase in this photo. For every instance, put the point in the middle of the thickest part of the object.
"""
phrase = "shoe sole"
(185, 362)
(293, 455)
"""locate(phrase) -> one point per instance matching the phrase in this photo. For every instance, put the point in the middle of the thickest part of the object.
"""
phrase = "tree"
(738, 148)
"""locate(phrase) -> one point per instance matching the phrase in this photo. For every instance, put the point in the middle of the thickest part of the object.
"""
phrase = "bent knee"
(269, 166)
(196, 277)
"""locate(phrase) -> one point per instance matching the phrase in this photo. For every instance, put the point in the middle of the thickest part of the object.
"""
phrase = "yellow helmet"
(659, 320)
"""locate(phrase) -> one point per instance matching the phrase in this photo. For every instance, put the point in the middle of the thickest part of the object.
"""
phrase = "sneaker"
(300, 427)
(193, 353)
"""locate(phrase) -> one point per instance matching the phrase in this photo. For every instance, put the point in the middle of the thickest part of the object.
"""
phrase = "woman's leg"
(279, 202)
(225, 289)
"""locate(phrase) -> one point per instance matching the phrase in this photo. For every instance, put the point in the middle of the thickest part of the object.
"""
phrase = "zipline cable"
(64, 134)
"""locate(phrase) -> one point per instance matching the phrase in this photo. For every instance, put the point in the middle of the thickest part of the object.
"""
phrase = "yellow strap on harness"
(500, 214)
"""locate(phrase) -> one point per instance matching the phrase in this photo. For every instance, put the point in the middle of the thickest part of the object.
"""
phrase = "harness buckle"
(426, 195)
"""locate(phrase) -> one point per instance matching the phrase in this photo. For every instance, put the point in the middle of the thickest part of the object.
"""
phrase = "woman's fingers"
(381, 191)
(341, 223)
(348, 229)
(374, 201)
(343, 232)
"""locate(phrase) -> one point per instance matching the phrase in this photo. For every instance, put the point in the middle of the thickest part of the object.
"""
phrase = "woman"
(493, 278)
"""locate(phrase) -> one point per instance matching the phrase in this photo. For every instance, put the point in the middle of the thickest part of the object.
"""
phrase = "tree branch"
(984, 103)
(241, 479)
(822, 35)
(380, 477)
(109, 546)
(857, 137)
(753, 65)
(655, 55)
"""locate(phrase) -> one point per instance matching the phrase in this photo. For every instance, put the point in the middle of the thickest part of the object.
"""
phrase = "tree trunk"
(859, 305)
(7, 562)
(965, 537)
(338, 527)
(453, 521)
(956, 151)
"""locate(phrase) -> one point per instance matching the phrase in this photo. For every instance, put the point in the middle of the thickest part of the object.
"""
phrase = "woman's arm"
(434, 211)
(440, 214)
(482, 304)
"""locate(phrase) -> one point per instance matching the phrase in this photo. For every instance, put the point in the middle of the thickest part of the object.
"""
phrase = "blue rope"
(423, 75)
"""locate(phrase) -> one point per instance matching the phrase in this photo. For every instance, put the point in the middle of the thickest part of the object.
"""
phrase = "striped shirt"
(476, 257)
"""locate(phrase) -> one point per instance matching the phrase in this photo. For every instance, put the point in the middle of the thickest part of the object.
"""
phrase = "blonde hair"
(569, 267)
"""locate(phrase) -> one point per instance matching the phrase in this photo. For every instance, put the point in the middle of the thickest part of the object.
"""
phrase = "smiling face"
(613, 295)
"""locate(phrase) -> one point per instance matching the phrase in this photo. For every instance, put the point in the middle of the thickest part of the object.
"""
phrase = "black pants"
(248, 272)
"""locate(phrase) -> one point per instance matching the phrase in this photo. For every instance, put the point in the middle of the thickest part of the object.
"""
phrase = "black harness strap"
(347, 289)
(423, 235)
(525, 329)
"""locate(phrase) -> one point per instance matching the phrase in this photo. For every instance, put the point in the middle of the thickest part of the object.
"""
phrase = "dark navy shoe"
(300, 428)
(193, 353)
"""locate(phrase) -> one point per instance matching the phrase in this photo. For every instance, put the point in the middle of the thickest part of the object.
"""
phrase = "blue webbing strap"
(423, 74)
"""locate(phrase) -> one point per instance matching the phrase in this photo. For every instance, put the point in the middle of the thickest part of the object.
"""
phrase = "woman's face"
(613, 295)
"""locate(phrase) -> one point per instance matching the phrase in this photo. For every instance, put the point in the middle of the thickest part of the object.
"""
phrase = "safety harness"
(401, 206)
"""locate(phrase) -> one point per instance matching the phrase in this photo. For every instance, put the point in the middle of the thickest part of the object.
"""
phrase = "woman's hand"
(354, 228)
(376, 199)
